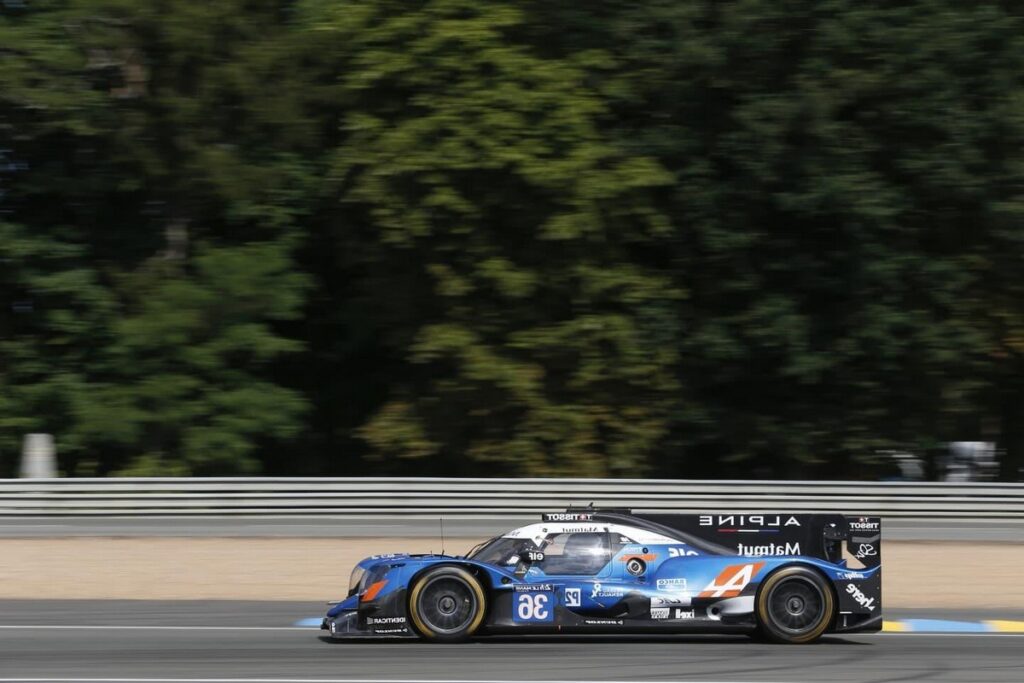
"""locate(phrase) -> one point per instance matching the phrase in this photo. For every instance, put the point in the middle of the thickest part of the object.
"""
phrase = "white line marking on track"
(329, 680)
(307, 629)
(920, 634)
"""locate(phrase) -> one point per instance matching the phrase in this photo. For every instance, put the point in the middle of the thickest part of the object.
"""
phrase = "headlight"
(353, 582)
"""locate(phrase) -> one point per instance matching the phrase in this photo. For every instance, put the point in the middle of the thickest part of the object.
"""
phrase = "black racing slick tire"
(794, 605)
(447, 604)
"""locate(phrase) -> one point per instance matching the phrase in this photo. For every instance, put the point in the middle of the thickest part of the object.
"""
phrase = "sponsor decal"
(385, 620)
(390, 630)
(572, 597)
(531, 587)
(581, 530)
(659, 612)
(534, 556)
(680, 600)
(681, 552)
(603, 622)
(852, 575)
(738, 523)
(864, 525)
(385, 556)
(862, 599)
(670, 584)
(684, 614)
(731, 581)
(533, 607)
(865, 550)
(769, 549)
(598, 591)
(567, 517)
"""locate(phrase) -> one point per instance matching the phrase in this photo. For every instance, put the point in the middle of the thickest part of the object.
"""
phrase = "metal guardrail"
(468, 498)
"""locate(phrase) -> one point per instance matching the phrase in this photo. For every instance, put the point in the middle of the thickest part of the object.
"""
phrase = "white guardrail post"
(467, 498)
(38, 457)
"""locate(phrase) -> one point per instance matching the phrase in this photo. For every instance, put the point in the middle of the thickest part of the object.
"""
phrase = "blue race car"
(784, 578)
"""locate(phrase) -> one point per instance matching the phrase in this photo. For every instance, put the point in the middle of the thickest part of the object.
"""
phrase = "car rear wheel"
(794, 605)
(447, 604)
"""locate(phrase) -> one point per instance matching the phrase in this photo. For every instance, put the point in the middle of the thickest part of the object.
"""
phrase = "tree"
(163, 268)
(500, 236)
(670, 238)
(841, 175)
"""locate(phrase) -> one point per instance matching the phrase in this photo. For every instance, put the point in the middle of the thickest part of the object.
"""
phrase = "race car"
(786, 578)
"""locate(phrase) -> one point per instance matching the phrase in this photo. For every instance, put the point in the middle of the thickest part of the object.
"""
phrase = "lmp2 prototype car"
(786, 578)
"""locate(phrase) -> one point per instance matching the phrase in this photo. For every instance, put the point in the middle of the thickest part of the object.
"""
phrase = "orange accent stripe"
(371, 592)
(645, 558)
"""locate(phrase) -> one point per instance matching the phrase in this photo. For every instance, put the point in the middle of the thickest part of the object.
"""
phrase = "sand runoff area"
(915, 574)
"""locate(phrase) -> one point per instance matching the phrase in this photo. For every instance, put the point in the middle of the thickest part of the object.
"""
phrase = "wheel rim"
(796, 606)
(446, 604)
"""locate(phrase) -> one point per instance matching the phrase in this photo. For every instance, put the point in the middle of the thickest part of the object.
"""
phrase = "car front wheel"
(447, 604)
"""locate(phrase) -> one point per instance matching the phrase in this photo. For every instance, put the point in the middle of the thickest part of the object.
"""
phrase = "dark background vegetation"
(763, 238)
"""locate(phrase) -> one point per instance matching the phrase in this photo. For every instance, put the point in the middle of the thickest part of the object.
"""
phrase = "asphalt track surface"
(246, 642)
(355, 527)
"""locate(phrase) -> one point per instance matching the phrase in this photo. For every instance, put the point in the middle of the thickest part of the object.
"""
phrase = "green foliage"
(145, 271)
(198, 345)
(611, 239)
(528, 353)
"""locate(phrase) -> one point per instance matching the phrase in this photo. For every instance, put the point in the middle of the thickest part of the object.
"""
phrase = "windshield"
(479, 546)
(498, 550)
